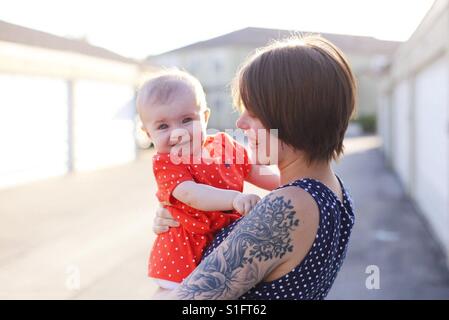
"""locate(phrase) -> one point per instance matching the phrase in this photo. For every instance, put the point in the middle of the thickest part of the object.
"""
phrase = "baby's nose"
(179, 136)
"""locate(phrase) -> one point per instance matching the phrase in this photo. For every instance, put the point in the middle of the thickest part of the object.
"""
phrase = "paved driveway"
(96, 228)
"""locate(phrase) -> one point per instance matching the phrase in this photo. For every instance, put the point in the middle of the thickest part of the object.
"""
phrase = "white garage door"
(33, 128)
(104, 136)
(401, 131)
(432, 144)
(384, 123)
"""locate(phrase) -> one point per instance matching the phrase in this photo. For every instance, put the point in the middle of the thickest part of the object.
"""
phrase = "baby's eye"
(162, 126)
(187, 120)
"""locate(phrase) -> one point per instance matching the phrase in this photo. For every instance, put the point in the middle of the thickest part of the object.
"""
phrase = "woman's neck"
(297, 167)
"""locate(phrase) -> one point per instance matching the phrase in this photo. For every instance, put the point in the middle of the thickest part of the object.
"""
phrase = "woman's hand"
(163, 221)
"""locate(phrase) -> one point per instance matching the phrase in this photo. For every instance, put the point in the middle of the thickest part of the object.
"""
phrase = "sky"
(137, 28)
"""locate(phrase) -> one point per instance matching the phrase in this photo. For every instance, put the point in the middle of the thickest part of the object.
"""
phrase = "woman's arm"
(264, 177)
(257, 245)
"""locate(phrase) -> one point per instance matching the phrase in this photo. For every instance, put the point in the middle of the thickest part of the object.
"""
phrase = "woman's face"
(263, 142)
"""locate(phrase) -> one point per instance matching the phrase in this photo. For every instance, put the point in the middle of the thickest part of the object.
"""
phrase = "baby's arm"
(264, 177)
(207, 198)
(204, 197)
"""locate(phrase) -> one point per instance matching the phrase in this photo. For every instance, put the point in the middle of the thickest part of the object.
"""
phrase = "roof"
(257, 37)
(18, 34)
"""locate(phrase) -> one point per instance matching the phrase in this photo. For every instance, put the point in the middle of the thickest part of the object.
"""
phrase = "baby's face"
(172, 124)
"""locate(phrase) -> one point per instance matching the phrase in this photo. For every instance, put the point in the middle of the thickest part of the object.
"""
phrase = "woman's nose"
(242, 122)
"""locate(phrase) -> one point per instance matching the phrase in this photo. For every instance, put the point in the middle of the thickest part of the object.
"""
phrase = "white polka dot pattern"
(314, 276)
(176, 253)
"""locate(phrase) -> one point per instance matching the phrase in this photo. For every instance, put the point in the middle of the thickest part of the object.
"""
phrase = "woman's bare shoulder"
(302, 208)
(306, 214)
(302, 202)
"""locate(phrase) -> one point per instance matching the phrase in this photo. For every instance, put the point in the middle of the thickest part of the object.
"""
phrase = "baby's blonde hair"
(164, 86)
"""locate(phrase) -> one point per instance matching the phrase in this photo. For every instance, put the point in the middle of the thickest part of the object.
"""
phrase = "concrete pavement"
(389, 233)
(96, 228)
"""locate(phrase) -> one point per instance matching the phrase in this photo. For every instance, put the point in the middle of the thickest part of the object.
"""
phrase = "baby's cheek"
(161, 143)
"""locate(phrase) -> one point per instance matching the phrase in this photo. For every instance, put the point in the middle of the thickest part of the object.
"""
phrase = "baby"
(199, 178)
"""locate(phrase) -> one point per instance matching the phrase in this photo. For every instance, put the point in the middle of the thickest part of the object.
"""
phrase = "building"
(216, 61)
(65, 105)
(413, 118)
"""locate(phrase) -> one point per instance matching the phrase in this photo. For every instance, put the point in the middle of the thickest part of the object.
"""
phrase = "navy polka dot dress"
(314, 276)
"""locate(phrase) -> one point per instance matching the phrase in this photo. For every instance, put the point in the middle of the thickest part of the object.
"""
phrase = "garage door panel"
(33, 128)
(432, 144)
(102, 137)
(401, 127)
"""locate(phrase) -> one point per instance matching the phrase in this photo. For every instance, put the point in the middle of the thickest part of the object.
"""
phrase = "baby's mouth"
(183, 149)
(182, 144)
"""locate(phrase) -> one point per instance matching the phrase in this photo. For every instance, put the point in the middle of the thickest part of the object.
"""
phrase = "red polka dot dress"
(177, 252)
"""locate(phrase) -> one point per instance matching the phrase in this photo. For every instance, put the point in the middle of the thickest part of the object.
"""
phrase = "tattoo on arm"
(251, 250)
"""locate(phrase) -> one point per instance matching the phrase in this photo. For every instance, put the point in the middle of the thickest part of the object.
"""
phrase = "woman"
(293, 242)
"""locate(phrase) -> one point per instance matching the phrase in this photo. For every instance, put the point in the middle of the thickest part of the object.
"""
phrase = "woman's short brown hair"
(304, 87)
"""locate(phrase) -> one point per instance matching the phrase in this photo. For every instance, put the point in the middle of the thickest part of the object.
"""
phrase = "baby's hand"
(243, 203)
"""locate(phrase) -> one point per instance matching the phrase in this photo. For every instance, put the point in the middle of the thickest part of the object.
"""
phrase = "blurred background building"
(67, 112)
(413, 118)
(69, 106)
(66, 105)
(216, 61)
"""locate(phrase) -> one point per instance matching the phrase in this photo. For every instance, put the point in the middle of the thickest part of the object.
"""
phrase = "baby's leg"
(164, 287)
(160, 294)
